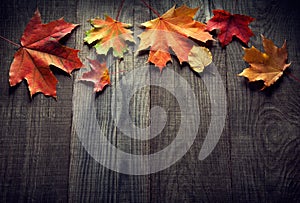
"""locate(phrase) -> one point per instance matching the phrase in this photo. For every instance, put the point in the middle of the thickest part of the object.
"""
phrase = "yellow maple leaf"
(268, 66)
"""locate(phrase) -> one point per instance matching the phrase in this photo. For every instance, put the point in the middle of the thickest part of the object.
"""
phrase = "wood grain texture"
(190, 180)
(262, 133)
(35, 135)
(100, 183)
(42, 156)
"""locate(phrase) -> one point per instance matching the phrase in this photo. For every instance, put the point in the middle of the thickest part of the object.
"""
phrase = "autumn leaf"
(199, 57)
(40, 48)
(99, 75)
(268, 66)
(172, 32)
(230, 25)
(108, 34)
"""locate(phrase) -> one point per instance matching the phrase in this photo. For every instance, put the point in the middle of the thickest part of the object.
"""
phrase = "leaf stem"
(152, 9)
(115, 73)
(13, 43)
(119, 10)
(292, 76)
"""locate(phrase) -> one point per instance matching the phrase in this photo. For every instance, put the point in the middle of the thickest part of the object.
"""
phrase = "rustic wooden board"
(264, 127)
(35, 135)
(42, 158)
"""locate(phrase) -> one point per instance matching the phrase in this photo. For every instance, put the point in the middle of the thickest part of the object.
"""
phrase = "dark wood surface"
(256, 159)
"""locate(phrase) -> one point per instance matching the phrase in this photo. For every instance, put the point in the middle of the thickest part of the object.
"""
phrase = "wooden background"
(256, 159)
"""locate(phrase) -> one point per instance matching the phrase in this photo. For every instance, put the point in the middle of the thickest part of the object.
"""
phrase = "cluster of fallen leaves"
(176, 32)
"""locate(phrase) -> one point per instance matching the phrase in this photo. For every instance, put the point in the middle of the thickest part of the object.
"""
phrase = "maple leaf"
(40, 48)
(172, 32)
(99, 75)
(199, 57)
(268, 66)
(230, 25)
(107, 34)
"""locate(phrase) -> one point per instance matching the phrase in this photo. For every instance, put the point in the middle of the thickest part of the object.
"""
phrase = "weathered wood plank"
(264, 126)
(190, 179)
(35, 135)
(86, 174)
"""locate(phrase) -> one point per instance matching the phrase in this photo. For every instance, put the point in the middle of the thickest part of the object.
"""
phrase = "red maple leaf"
(99, 75)
(230, 25)
(40, 48)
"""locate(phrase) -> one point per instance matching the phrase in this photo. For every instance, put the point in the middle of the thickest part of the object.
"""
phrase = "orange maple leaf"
(99, 75)
(268, 66)
(172, 32)
(108, 34)
(40, 48)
